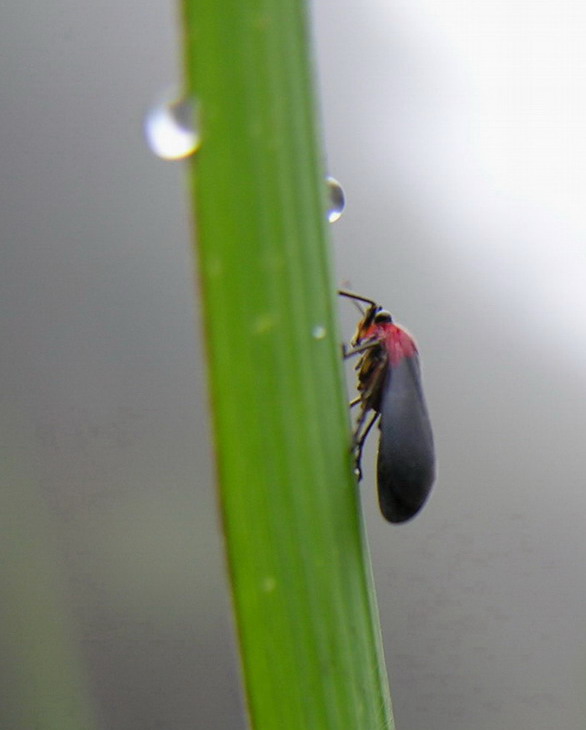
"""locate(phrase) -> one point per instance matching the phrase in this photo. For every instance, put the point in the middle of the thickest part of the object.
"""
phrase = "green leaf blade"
(301, 583)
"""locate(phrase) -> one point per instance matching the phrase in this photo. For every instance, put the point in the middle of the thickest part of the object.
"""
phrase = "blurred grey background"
(458, 132)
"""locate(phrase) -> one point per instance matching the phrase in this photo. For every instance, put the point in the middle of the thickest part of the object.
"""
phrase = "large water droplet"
(336, 199)
(169, 127)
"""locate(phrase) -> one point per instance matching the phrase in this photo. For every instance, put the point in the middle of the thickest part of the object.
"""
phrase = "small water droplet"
(269, 584)
(169, 127)
(319, 332)
(263, 323)
(336, 199)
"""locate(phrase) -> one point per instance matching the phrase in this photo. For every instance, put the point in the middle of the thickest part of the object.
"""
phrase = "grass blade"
(301, 581)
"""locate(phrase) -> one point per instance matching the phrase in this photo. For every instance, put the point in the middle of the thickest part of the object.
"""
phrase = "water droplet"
(263, 323)
(336, 199)
(319, 332)
(169, 127)
(269, 584)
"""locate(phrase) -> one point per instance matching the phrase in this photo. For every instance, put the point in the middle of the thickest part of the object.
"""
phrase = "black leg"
(359, 440)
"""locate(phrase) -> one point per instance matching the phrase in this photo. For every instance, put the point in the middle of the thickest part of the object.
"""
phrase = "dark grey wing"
(406, 459)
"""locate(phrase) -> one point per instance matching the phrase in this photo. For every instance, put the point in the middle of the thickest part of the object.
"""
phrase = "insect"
(390, 391)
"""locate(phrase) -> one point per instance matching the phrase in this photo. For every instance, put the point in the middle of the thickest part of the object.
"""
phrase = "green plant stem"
(42, 679)
(301, 583)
